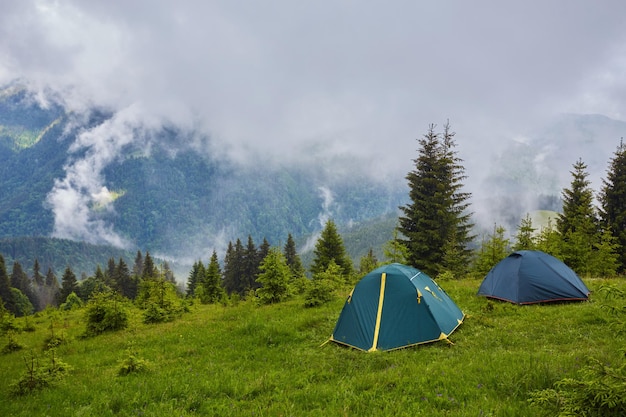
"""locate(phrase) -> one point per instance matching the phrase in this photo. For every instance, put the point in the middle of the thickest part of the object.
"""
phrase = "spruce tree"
(149, 270)
(5, 288)
(138, 265)
(38, 279)
(234, 268)
(127, 284)
(368, 262)
(50, 293)
(578, 224)
(251, 264)
(436, 220)
(20, 280)
(329, 247)
(69, 284)
(613, 202)
(493, 249)
(193, 279)
(525, 238)
(274, 278)
(292, 258)
(210, 287)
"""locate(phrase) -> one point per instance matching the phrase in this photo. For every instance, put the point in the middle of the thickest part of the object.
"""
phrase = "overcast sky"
(364, 76)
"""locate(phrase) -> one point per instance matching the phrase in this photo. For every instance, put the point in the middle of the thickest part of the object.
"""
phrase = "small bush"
(12, 345)
(132, 363)
(37, 377)
(72, 302)
(105, 312)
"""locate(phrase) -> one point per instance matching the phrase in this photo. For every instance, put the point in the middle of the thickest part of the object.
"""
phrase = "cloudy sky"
(365, 77)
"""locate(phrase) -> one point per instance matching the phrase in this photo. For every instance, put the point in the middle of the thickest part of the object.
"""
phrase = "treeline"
(22, 294)
(435, 227)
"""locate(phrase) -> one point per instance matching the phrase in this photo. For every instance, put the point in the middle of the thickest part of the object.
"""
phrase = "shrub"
(132, 363)
(105, 312)
(72, 302)
(37, 377)
(12, 345)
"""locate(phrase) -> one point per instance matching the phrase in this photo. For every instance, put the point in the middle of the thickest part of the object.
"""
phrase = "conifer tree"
(329, 247)
(394, 250)
(292, 258)
(613, 202)
(368, 262)
(127, 284)
(578, 224)
(20, 280)
(69, 284)
(436, 219)
(210, 287)
(525, 239)
(250, 266)
(50, 293)
(234, 268)
(149, 270)
(493, 249)
(549, 240)
(138, 265)
(5, 288)
(38, 279)
(193, 278)
(110, 273)
(274, 278)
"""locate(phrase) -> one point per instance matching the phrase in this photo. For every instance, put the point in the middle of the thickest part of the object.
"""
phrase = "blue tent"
(395, 306)
(527, 277)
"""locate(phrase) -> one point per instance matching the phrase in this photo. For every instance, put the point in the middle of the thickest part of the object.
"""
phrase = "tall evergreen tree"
(69, 284)
(525, 238)
(127, 284)
(138, 265)
(50, 294)
(613, 202)
(578, 224)
(549, 240)
(368, 262)
(273, 281)
(436, 220)
(193, 278)
(149, 270)
(110, 273)
(5, 288)
(493, 249)
(234, 268)
(329, 247)
(292, 258)
(38, 279)
(250, 266)
(22, 282)
(210, 288)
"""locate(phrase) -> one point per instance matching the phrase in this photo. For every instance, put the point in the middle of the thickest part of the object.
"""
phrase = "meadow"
(250, 360)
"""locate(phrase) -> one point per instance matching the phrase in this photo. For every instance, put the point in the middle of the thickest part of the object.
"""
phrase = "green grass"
(246, 360)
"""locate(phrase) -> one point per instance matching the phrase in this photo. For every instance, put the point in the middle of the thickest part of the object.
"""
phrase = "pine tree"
(20, 280)
(234, 268)
(127, 284)
(274, 278)
(394, 250)
(5, 288)
(138, 265)
(250, 266)
(492, 250)
(110, 273)
(193, 279)
(525, 238)
(613, 202)
(149, 270)
(38, 279)
(293, 259)
(578, 224)
(329, 247)
(436, 219)
(549, 240)
(69, 284)
(210, 287)
(368, 263)
(50, 294)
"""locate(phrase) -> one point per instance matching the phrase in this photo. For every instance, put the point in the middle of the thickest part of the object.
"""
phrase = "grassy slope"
(248, 360)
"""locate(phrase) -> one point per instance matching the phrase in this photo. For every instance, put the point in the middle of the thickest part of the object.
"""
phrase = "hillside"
(243, 359)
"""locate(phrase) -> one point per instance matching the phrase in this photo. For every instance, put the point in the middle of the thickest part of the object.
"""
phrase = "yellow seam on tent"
(381, 297)
(419, 296)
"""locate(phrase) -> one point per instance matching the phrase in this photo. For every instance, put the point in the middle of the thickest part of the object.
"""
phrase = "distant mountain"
(80, 177)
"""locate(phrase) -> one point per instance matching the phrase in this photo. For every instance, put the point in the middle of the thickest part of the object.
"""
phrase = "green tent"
(395, 306)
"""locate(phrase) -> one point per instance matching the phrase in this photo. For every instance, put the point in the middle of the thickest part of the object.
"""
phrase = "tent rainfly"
(396, 306)
(530, 276)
